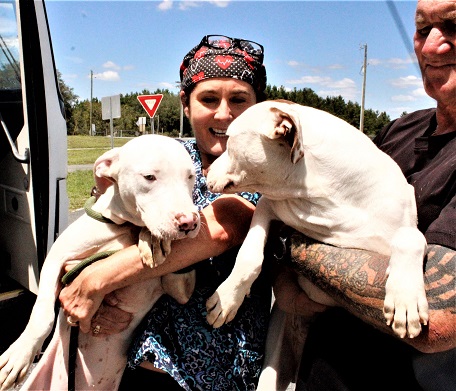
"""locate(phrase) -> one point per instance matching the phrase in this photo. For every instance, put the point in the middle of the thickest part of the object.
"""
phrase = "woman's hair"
(220, 56)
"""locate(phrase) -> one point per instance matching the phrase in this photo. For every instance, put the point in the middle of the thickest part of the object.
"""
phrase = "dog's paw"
(153, 250)
(145, 247)
(405, 307)
(14, 364)
(223, 305)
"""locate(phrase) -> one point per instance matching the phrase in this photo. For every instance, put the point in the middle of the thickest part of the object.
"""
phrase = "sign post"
(150, 103)
(110, 108)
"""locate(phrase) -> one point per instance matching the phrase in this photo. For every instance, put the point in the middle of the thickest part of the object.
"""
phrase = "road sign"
(150, 103)
(110, 107)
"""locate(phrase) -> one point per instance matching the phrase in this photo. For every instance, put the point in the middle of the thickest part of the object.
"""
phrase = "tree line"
(167, 117)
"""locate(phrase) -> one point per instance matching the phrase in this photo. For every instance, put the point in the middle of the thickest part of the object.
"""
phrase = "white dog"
(326, 179)
(148, 182)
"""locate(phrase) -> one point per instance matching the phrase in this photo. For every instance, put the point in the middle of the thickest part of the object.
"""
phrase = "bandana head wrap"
(220, 56)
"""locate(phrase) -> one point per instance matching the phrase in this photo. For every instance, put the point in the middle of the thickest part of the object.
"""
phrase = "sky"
(135, 45)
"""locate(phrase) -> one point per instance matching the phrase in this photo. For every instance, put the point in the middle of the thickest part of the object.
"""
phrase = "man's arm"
(356, 280)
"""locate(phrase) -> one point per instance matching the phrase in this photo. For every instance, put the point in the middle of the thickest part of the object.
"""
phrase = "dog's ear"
(104, 169)
(288, 126)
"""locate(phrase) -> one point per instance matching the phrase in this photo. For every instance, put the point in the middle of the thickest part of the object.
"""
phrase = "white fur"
(326, 179)
(163, 204)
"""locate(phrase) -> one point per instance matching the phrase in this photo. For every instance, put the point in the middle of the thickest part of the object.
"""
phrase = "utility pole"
(91, 93)
(181, 116)
(361, 116)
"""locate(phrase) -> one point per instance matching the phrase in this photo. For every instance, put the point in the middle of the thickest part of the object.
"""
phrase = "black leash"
(73, 350)
(69, 277)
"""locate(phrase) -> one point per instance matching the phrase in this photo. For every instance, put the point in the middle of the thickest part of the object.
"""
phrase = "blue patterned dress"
(178, 339)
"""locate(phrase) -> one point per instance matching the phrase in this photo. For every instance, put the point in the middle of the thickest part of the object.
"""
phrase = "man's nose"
(436, 43)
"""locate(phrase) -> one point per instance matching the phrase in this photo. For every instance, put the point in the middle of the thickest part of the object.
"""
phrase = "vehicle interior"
(33, 201)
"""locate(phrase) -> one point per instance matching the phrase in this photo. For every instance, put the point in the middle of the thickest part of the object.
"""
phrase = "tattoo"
(356, 280)
(440, 278)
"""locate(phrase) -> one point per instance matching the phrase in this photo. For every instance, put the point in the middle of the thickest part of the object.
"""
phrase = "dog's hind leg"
(287, 334)
(51, 371)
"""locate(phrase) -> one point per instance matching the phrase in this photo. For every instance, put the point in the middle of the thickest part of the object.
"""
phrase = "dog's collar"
(94, 214)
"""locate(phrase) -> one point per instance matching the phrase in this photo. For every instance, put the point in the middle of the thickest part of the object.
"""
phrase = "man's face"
(435, 48)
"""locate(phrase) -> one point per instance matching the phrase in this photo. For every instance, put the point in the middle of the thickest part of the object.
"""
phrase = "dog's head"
(153, 178)
(265, 142)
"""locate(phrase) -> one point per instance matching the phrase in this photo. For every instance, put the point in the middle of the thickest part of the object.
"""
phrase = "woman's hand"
(93, 311)
(80, 301)
(109, 319)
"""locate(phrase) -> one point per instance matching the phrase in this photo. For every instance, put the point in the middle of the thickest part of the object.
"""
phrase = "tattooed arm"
(356, 280)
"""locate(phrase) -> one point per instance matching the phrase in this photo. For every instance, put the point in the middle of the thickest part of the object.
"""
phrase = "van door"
(33, 148)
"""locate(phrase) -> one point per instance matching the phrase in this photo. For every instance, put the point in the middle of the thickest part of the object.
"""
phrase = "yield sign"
(150, 103)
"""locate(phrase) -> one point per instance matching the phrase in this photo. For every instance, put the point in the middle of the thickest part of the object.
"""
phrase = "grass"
(79, 185)
(85, 150)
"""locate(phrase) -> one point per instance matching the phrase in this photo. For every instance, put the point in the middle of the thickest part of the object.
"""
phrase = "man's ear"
(288, 126)
(104, 169)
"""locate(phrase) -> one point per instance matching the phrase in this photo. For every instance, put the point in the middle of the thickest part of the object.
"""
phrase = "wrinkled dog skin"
(146, 183)
(326, 179)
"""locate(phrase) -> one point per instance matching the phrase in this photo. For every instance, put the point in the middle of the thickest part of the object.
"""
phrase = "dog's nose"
(187, 221)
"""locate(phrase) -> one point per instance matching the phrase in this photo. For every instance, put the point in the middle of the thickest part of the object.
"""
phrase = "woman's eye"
(150, 177)
(238, 100)
(209, 100)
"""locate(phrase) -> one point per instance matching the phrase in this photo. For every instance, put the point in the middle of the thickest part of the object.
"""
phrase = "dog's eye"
(150, 177)
(191, 176)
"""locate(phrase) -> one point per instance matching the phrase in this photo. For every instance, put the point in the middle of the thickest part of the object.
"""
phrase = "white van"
(33, 159)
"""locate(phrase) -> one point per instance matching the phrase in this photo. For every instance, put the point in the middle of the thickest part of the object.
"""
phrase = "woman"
(220, 78)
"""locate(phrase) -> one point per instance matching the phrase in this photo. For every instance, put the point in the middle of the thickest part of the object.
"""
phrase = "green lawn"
(85, 150)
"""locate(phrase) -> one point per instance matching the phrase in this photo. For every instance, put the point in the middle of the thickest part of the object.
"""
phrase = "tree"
(69, 99)
(168, 114)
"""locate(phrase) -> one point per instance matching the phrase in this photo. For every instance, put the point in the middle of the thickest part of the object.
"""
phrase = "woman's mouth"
(218, 132)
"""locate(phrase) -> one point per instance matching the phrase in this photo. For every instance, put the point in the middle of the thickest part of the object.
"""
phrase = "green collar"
(95, 215)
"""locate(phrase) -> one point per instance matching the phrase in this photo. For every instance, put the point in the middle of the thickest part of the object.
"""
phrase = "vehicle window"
(10, 75)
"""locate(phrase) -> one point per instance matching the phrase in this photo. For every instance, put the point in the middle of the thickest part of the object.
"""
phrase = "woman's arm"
(356, 280)
(224, 224)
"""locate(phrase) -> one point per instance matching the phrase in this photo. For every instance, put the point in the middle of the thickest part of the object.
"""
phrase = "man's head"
(435, 48)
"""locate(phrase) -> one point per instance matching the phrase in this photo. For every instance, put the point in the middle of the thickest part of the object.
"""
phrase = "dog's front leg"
(16, 360)
(405, 306)
(223, 305)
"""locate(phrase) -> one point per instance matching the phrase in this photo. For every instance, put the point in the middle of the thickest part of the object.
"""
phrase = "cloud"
(315, 69)
(412, 97)
(165, 5)
(220, 3)
(329, 87)
(184, 5)
(111, 65)
(392, 63)
(403, 98)
(107, 76)
(407, 82)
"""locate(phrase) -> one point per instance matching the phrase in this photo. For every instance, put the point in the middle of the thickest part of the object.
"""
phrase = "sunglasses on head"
(224, 42)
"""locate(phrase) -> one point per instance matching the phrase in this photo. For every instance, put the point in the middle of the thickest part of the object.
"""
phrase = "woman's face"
(212, 106)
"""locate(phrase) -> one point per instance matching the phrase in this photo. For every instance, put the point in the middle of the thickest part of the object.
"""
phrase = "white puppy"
(146, 183)
(326, 179)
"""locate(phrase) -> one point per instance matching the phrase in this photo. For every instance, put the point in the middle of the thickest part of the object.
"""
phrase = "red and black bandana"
(226, 60)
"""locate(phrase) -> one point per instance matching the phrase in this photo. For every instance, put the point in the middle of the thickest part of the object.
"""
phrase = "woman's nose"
(224, 111)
